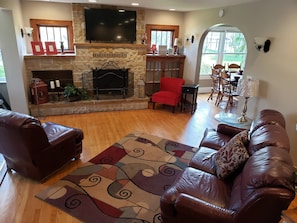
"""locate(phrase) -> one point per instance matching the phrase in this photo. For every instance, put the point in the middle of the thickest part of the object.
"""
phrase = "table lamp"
(177, 43)
(247, 88)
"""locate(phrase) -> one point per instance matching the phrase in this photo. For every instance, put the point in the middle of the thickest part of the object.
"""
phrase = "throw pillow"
(232, 155)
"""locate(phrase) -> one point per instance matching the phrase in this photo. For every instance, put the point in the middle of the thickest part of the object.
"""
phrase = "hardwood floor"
(101, 130)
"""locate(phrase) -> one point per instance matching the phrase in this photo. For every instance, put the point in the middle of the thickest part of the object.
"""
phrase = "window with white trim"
(223, 45)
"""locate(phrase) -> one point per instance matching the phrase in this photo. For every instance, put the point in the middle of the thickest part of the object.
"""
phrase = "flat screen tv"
(110, 26)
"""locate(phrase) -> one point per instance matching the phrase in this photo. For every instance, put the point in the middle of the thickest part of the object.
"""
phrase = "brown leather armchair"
(36, 150)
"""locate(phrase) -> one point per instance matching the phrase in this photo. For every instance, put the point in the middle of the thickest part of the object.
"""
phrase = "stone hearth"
(88, 106)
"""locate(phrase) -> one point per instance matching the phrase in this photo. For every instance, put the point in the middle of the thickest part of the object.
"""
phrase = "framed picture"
(37, 48)
(51, 48)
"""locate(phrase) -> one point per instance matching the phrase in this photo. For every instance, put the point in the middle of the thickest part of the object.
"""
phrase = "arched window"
(223, 45)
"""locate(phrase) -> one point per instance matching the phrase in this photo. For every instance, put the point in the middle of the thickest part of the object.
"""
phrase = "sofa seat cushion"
(268, 167)
(166, 97)
(213, 139)
(231, 156)
(203, 159)
(198, 184)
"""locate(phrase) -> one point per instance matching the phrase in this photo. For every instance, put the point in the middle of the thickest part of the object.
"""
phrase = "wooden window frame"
(150, 27)
(35, 23)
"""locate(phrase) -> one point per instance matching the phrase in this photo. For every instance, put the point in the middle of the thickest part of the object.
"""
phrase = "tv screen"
(110, 26)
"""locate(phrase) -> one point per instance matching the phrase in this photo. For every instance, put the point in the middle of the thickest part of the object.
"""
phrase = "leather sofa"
(36, 150)
(256, 190)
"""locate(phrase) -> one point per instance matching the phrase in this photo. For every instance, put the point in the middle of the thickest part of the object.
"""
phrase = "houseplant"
(73, 93)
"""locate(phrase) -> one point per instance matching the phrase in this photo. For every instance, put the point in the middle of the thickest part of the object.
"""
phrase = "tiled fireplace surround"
(86, 57)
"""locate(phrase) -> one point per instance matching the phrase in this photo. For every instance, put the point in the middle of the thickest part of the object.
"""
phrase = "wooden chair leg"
(210, 96)
(229, 102)
(154, 103)
(173, 109)
(219, 99)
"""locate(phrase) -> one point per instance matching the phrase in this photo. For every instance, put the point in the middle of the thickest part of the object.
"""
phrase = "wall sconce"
(27, 30)
(262, 43)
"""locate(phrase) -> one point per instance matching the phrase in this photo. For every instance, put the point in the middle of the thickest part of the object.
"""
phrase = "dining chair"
(215, 85)
(227, 90)
(234, 68)
(218, 67)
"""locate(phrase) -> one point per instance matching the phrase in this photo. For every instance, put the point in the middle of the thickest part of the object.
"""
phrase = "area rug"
(123, 184)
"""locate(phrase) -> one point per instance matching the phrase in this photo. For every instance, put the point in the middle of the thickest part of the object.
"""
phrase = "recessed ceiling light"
(92, 0)
(171, 9)
(135, 4)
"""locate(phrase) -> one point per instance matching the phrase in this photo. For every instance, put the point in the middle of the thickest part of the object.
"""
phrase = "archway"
(220, 44)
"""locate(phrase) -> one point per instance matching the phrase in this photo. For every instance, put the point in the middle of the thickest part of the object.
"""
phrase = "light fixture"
(247, 88)
(26, 30)
(134, 4)
(262, 43)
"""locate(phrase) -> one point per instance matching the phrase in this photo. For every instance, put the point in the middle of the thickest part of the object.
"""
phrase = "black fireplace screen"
(110, 81)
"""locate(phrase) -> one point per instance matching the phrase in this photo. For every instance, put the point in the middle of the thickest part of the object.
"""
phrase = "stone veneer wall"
(92, 55)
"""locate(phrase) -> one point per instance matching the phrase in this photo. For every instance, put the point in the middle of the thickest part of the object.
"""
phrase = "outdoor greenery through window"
(2, 72)
(223, 45)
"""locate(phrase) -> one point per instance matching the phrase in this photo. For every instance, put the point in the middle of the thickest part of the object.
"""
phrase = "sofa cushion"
(203, 159)
(269, 167)
(214, 139)
(231, 156)
(267, 117)
(268, 135)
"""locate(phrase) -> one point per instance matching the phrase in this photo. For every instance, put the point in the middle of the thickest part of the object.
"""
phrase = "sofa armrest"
(229, 130)
(205, 212)
(57, 133)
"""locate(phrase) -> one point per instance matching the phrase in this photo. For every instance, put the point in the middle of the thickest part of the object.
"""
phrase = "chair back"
(233, 68)
(172, 84)
(215, 81)
(218, 67)
(20, 135)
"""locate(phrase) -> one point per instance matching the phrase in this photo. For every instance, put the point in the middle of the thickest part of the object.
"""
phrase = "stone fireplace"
(89, 56)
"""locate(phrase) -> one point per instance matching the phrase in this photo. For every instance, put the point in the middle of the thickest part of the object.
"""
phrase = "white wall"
(12, 63)
(165, 18)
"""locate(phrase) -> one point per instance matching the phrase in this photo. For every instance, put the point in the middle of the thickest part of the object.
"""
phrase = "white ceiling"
(178, 5)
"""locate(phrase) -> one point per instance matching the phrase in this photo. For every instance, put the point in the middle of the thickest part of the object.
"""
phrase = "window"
(2, 71)
(54, 31)
(54, 34)
(161, 35)
(223, 45)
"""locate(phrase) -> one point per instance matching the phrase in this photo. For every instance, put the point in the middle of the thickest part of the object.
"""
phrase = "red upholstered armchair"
(36, 150)
(170, 92)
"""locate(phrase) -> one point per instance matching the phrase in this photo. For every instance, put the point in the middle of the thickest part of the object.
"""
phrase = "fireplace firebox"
(110, 79)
